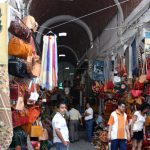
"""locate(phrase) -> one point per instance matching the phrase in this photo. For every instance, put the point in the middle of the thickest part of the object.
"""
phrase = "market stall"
(33, 79)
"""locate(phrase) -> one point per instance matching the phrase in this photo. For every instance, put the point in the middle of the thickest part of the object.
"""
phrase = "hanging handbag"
(19, 31)
(34, 94)
(20, 103)
(17, 67)
(20, 117)
(148, 74)
(34, 66)
(19, 48)
(44, 135)
(36, 130)
(36, 70)
(30, 22)
(34, 114)
(136, 93)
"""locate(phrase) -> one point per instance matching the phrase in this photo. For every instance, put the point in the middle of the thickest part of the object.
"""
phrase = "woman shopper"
(138, 126)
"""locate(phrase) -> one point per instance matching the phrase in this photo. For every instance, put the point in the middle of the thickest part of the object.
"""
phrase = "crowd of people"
(65, 126)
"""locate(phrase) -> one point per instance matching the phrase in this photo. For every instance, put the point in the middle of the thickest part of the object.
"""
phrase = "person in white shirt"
(138, 126)
(74, 116)
(89, 122)
(60, 129)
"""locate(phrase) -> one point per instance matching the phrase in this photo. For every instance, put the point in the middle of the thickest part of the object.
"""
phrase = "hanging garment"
(49, 67)
(134, 59)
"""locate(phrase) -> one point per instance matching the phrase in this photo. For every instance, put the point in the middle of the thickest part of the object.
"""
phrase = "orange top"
(120, 126)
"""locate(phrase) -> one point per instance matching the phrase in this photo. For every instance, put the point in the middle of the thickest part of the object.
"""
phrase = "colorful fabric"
(49, 68)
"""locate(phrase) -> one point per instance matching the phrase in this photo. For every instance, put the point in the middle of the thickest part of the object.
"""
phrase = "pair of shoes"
(92, 143)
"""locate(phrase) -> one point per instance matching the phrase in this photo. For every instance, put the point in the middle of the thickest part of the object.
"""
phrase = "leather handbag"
(34, 66)
(44, 135)
(19, 48)
(36, 131)
(20, 117)
(19, 31)
(34, 114)
(136, 93)
(36, 69)
(30, 22)
(148, 74)
(20, 103)
(17, 67)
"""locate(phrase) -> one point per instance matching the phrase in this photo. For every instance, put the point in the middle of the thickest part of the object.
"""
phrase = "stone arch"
(120, 10)
(62, 18)
(69, 48)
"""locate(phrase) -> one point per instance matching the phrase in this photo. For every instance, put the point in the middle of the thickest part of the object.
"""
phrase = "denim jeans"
(61, 146)
(119, 143)
(89, 129)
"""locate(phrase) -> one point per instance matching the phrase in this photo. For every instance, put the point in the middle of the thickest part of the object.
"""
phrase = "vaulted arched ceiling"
(78, 38)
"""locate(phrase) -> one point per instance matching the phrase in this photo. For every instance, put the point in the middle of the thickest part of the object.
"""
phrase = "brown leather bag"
(20, 31)
(30, 22)
(34, 65)
(19, 48)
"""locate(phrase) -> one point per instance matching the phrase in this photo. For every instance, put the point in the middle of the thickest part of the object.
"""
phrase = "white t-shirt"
(59, 122)
(139, 123)
(89, 111)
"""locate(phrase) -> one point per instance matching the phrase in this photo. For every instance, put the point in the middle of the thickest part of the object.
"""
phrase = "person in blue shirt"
(99, 121)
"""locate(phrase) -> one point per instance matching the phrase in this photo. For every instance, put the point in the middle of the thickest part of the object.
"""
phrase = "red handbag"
(34, 114)
(148, 74)
(110, 85)
(136, 93)
(138, 85)
(19, 118)
(14, 92)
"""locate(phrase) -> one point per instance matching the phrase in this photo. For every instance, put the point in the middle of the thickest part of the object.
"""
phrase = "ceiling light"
(71, 74)
(63, 34)
(67, 68)
(62, 55)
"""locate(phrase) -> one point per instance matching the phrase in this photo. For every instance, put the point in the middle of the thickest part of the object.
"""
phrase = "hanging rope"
(89, 14)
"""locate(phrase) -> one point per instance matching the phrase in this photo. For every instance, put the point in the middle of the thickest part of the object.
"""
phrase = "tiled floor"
(81, 145)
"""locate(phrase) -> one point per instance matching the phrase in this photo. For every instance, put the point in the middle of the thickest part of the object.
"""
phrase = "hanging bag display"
(20, 117)
(30, 22)
(18, 48)
(19, 31)
(34, 95)
(17, 67)
(34, 113)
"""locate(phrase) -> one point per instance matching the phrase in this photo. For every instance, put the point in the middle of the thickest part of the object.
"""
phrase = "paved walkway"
(81, 145)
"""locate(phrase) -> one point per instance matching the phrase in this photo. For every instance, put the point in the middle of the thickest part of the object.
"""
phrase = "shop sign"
(98, 70)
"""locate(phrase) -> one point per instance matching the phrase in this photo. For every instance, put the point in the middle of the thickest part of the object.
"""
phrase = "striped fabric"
(49, 70)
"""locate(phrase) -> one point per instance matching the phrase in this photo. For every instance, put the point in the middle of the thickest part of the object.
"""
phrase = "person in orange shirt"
(118, 128)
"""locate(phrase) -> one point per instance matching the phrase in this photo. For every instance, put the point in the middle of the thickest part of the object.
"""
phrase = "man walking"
(74, 116)
(89, 122)
(60, 129)
(118, 128)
